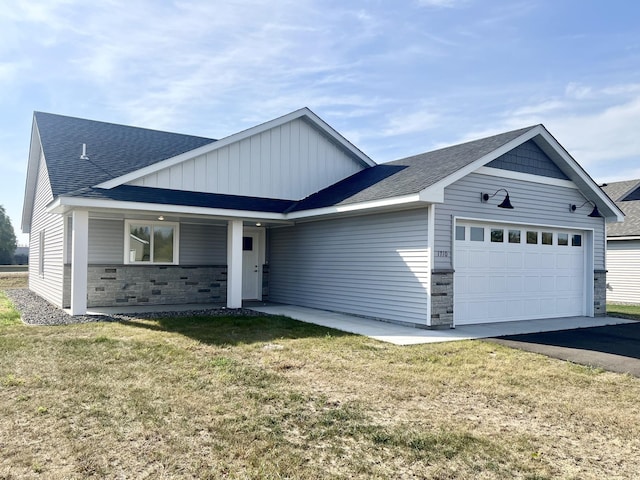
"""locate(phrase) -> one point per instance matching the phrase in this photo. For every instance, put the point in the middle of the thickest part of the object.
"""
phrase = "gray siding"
(528, 158)
(203, 244)
(534, 203)
(623, 276)
(373, 265)
(49, 285)
(106, 241)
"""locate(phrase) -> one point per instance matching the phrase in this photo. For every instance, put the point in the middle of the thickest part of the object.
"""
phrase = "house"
(623, 244)
(290, 211)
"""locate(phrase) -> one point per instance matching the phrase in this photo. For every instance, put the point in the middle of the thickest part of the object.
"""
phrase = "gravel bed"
(37, 311)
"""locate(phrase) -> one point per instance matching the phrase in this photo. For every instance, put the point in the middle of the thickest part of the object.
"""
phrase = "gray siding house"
(623, 244)
(504, 228)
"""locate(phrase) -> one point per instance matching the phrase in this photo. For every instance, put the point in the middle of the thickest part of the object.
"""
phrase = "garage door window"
(497, 235)
(532, 238)
(547, 238)
(563, 239)
(514, 236)
(477, 234)
(576, 240)
(459, 233)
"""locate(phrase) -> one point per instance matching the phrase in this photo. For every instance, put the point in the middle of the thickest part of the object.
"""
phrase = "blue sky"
(396, 78)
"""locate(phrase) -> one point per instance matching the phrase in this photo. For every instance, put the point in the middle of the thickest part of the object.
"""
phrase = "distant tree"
(7, 239)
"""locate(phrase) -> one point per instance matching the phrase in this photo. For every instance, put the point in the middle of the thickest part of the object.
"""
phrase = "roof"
(113, 150)
(164, 196)
(406, 176)
(626, 194)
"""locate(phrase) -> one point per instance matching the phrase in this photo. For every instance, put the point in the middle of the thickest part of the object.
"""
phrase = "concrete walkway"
(406, 335)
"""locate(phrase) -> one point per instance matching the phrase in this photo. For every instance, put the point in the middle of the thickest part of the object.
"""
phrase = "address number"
(442, 253)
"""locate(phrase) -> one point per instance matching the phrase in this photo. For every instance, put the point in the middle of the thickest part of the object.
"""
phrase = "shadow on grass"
(236, 330)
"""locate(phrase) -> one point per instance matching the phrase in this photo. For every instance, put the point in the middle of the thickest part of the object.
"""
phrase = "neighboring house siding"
(49, 284)
(373, 265)
(290, 161)
(623, 265)
(203, 244)
(534, 203)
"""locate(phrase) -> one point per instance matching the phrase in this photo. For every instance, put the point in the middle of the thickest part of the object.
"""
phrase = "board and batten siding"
(534, 203)
(623, 271)
(290, 161)
(48, 285)
(372, 265)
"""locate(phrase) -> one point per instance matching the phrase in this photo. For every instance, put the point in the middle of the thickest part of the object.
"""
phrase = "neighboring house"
(290, 211)
(623, 244)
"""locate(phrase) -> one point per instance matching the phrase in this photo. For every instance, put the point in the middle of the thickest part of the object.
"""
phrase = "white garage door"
(513, 272)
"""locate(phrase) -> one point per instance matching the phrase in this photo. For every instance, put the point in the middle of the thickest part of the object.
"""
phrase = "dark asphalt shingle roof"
(163, 196)
(406, 176)
(626, 194)
(113, 150)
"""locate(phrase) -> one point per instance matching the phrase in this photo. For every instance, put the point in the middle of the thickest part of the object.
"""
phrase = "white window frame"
(41, 246)
(152, 224)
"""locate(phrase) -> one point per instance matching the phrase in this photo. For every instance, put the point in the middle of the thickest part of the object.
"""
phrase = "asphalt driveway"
(613, 347)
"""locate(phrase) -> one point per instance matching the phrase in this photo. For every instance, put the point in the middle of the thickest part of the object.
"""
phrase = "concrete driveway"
(612, 347)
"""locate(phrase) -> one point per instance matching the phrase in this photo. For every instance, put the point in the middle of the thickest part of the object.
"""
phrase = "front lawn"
(624, 311)
(269, 397)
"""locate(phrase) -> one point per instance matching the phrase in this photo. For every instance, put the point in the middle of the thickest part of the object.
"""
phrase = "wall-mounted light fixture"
(594, 213)
(506, 203)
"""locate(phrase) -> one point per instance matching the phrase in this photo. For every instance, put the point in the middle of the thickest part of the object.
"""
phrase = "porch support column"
(79, 261)
(234, 264)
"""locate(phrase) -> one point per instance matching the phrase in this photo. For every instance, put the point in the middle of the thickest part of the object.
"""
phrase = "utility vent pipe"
(84, 152)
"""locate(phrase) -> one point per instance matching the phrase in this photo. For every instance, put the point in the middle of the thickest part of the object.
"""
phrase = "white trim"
(236, 137)
(41, 244)
(527, 177)
(152, 224)
(79, 261)
(616, 239)
(260, 236)
(431, 243)
(234, 264)
(386, 202)
(503, 222)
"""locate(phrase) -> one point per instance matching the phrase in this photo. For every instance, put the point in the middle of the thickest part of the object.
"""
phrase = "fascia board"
(354, 207)
(61, 204)
(35, 153)
(619, 239)
(237, 137)
(577, 171)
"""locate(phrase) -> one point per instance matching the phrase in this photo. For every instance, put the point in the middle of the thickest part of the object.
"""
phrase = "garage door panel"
(505, 281)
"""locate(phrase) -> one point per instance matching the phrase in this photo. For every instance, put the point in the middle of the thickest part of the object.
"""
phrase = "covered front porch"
(114, 260)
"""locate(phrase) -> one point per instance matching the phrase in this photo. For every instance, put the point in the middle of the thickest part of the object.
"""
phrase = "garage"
(507, 272)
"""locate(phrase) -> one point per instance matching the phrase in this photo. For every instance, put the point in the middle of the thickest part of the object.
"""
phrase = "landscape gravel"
(35, 310)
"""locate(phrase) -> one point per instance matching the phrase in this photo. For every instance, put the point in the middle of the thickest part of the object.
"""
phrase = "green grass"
(624, 311)
(269, 397)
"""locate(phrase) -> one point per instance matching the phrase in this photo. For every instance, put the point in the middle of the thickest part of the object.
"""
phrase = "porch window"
(151, 242)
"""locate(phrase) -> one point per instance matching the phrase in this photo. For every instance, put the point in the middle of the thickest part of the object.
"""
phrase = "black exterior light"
(506, 203)
(594, 213)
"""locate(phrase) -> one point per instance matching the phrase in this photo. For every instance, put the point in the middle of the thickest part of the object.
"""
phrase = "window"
(576, 240)
(547, 238)
(477, 234)
(460, 233)
(41, 252)
(151, 242)
(497, 235)
(563, 239)
(247, 244)
(514, 236)
(532, 238)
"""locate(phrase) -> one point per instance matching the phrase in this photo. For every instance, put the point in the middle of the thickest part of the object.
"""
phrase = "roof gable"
(626, 194)
(113, 150)
(304, 113)
(528, 158)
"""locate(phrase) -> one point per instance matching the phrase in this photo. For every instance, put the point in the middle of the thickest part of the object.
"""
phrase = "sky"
(395, 78)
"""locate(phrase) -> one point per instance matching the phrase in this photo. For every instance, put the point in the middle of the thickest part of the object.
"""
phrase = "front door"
(252, 259)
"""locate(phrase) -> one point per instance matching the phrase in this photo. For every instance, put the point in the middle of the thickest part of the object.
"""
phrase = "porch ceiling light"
(594, 213)
(506, 203)
(258, 224)
(161, 217)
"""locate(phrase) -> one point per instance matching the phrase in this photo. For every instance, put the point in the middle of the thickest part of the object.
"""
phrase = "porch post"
(79, 261)
(234, 264)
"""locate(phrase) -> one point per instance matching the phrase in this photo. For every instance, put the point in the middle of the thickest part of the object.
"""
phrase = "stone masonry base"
(441, 299)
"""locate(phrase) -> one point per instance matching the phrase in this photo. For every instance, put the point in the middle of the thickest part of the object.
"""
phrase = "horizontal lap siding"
(623, 271)
(203, 244)
(106, 242)
(49, 285)
(534, 203)
(374, 265)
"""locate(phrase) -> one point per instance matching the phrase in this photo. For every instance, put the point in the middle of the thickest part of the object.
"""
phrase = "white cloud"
(415, 122)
